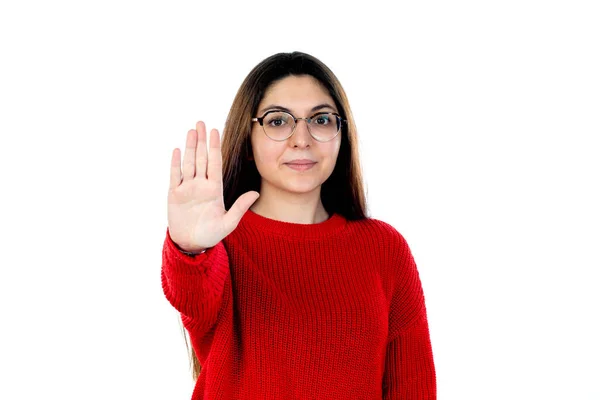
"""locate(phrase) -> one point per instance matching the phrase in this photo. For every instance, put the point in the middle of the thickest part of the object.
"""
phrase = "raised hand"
(197, 218)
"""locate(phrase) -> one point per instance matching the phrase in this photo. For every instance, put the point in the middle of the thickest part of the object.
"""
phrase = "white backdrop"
(478, 125)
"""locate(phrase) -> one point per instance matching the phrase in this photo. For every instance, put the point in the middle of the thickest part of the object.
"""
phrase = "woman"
(286, 288)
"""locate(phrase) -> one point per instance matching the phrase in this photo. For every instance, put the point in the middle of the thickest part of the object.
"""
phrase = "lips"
(301, 167)
(301, 161)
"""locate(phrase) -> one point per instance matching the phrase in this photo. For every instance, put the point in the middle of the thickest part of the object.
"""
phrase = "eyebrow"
(276, 107)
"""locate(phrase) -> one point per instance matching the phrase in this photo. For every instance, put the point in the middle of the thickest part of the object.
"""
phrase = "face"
(298, 94)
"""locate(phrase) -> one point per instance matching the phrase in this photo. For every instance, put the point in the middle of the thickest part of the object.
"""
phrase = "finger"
(238, 209)
(215, 158)
(175, 176)
(201, 154)
(189, 157)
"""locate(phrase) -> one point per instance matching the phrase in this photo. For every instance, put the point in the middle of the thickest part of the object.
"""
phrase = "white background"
(478, 125)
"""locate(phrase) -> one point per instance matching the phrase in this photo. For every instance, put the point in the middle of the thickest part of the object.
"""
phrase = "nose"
(301, 135)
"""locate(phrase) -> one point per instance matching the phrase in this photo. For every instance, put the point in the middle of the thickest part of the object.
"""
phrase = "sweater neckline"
(253, 222)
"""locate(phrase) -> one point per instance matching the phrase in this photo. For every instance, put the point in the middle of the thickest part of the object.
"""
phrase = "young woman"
(287, 289)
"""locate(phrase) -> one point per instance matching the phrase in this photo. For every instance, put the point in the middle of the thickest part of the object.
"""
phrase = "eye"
(277, 119)
(322, 119)
(276, 122)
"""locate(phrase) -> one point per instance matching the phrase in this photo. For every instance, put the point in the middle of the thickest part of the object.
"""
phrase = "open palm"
(197, 218)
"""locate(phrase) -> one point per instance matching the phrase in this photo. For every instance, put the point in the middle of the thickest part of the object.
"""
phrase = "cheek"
(267, 153)
(334, 150)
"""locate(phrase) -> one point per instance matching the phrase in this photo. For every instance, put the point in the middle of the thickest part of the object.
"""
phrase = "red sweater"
(277, 310)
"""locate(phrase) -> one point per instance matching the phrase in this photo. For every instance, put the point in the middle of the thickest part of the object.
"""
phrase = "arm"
(409, 368)
(194, 284)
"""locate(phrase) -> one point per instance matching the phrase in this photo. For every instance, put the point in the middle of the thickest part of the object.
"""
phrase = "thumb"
(238, 209)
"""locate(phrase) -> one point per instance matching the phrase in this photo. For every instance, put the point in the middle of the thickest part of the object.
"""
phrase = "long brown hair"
(342, 193)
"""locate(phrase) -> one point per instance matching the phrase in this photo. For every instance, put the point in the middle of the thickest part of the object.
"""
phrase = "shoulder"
(384, 240)
(383, 230)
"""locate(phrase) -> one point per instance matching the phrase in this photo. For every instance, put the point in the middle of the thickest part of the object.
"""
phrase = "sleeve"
(194, 285)
(409, 368)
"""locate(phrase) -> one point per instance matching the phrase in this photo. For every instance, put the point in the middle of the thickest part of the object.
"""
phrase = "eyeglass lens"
(279, 125)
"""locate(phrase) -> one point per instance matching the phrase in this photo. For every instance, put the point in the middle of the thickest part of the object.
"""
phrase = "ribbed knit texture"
(278, 310)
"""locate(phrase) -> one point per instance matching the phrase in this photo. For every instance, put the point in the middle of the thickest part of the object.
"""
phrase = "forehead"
(296, 92)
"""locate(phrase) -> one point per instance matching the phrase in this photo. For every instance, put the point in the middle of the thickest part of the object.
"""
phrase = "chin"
(301, 187)
(298, 183)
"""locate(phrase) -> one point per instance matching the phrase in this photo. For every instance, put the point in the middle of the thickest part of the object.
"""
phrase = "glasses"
(280, 125)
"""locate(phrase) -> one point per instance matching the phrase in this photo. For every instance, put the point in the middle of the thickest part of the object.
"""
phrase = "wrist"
(192, 253)
(189, 253)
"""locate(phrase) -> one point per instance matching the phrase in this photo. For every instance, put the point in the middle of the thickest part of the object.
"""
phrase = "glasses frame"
(308, 121)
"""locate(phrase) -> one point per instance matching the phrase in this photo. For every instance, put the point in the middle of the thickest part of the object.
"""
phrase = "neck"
(304, 208)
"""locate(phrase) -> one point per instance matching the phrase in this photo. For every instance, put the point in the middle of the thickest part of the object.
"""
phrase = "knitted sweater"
(279, 310)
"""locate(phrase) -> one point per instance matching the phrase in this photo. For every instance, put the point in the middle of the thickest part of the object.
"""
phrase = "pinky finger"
(175, 175)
